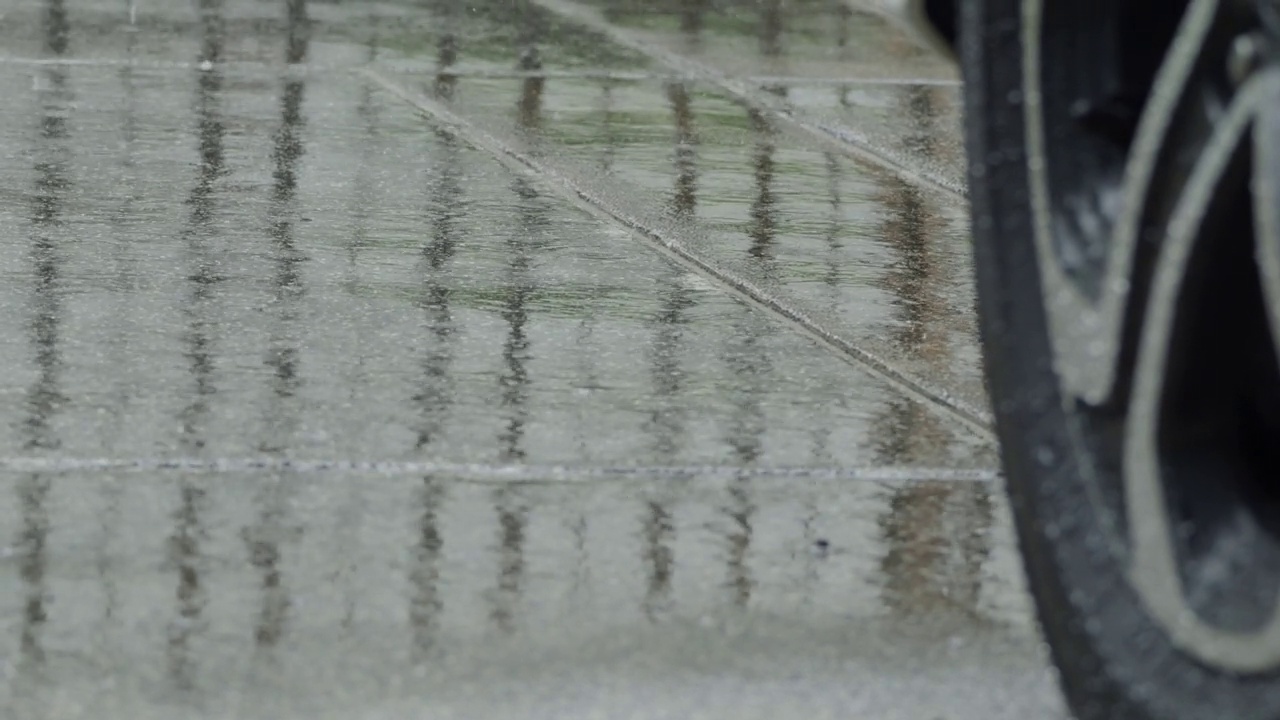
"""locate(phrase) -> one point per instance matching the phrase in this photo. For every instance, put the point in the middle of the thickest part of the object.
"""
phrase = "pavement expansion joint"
(486, 472)
(463, 72)
(976, 420)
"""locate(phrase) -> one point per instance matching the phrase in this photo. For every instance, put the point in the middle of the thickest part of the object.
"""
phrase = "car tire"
(1138, 409)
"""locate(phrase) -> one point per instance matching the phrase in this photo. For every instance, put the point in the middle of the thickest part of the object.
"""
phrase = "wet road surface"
(492, 359)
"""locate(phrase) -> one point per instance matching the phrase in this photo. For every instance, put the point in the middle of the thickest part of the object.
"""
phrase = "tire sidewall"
(1114, 661)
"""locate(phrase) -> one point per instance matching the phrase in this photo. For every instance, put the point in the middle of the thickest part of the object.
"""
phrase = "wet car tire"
(1137, 409)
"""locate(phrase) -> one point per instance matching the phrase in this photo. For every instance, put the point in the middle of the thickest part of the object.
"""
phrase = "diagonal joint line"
(599, 207)
(847, 141)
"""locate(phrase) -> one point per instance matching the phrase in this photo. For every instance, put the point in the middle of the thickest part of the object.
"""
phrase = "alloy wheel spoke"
(1088, 331)
(1209, 196)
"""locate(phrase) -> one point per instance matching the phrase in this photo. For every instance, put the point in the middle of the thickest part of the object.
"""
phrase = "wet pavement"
(493, 359)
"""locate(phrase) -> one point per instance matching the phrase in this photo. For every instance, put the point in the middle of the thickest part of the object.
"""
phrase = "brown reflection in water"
(126, 279)
(659, 536)
(821, 430)
(751, 371)
(444, 210)
(666, 426)
(762, 228)
(685, 199)
(843, 24)
(771, 19)
(184, 542)
(265, 538)
(607, 113)
(693, 17)
(449, 12)
(529, 31)
(522, 246)
(424, 576)
(44, 397)
(936, 532)
(666, 422)
(436, 395)
(529, 107)
(740, 511)
(512, 523)
(835, 226)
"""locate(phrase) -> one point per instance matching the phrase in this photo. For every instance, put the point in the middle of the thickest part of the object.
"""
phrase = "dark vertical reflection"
(843, 24)
(693, 16)
(659, 536)
(44, 398)
(750, 368)
(446, 80)
(529, 32)
(749, 365)
(529, 107)
(833, 239)
(834, 235)
(125, 281)
(936, 533)
(57, 28)
(666, 423)
(426, 604)
(266, 537)
(435, 396)
(610, 149)
(299, 31)
(512, 523)
(522, 246)
(685, 199)
(666, 427)
(198, 345)
(762, 228)
(771, 27)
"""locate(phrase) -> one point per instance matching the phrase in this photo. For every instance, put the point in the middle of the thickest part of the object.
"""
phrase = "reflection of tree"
(666, 426)
(109, 519)
(436, 395)
(666, 420)
(44, 397)
(692, 16)
(771, 27)
(265, 539)
(449, 12)
(529, 31)
(685, 199)
(522, 245)
(199, 345)
(750, 368)
(843, 22)
(763, 226)
(610, 138)
(935, 532)
(512, 521)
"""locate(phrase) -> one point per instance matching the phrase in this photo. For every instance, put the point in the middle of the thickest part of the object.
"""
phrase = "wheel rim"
(1153, 152)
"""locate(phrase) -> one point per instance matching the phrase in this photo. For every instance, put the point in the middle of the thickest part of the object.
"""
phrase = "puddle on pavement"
(916, 125)
(333, 279)
(878, 260)
(201, 591)
(242, 261)
(494, 35)
(824, 38)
